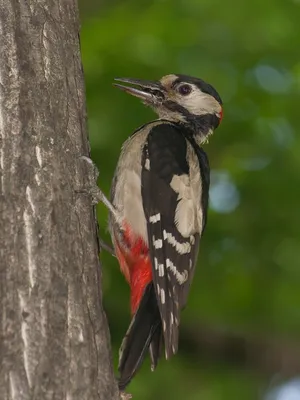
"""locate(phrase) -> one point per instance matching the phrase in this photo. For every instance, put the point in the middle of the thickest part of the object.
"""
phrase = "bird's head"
(181, 99)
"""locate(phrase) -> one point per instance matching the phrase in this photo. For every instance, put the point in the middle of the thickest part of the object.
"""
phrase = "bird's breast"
(126, 193)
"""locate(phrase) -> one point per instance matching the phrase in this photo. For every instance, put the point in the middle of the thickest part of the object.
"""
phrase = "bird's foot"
(94, 172)
(96, 194)
(94, 191)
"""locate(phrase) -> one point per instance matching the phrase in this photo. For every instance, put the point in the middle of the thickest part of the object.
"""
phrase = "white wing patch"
(181, 185)
(188, 216)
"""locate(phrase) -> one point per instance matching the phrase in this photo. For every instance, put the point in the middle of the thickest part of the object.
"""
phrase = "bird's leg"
(98, 196)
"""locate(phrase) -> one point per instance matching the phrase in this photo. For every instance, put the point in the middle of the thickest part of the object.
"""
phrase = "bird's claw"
(92, 166)
(96, 193)
(93, 192)
(91, 188)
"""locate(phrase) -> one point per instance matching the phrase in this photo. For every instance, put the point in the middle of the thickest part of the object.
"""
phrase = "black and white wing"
(175, 204)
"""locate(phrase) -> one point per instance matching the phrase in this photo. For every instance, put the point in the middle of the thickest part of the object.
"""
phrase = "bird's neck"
(199, 127)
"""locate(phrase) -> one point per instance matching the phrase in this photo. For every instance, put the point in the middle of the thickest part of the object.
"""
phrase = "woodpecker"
(158, 210)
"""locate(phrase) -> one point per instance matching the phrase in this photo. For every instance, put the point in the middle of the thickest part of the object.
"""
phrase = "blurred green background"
(240, 333)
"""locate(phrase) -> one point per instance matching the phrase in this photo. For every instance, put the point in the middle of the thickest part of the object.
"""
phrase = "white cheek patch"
(199, 103)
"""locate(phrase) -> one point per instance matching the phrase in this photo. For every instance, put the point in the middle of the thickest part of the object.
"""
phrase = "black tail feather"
(141, 332)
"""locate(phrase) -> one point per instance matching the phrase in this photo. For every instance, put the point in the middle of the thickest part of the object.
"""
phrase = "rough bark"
(54, 340)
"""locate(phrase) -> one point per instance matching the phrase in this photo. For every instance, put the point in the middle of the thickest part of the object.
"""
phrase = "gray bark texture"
(54, 339)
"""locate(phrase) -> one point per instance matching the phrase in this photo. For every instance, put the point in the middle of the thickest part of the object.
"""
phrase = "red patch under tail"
(135, 264)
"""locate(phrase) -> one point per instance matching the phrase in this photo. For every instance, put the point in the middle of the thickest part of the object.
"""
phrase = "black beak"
(150, 92)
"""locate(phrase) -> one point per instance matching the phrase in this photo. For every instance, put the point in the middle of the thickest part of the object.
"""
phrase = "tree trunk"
(54, 341)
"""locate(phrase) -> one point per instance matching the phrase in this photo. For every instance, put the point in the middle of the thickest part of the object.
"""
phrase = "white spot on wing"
(181, 248)
(154, 218)
(161, 270)
(181, 277)
(162, 296)
(147, 164)
(171, 318)
(157, 243)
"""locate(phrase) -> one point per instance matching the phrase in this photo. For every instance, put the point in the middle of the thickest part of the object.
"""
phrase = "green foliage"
(248, 274)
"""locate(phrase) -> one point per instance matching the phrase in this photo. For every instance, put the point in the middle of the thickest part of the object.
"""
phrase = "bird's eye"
(184, 90)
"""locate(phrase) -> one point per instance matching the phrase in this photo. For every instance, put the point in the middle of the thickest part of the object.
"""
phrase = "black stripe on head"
(202, 85)
(175, 107)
